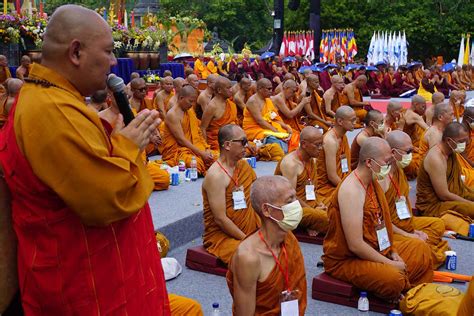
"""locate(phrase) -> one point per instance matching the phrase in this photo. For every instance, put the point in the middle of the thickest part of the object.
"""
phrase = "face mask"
(406, 160)
(292, 214)
(471, 125)
(460, 147)
(384, 171)
(379, 128)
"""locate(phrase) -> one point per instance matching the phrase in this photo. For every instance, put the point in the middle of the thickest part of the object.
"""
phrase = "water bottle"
(215, 309)
(181, 171)
(194, 172)
(363, 304)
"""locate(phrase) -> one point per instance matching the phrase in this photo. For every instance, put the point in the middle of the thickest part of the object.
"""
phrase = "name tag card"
(238, 197)
(310, 194)
(402, 208)
(344, 165)
(290, 308)
(382, 237)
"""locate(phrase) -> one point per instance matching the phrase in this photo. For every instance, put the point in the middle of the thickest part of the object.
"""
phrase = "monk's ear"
(74, 52)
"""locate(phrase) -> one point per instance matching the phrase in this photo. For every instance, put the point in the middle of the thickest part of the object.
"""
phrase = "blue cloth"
(13, 70)
(124, 68)
(177, 69)
(274, 140)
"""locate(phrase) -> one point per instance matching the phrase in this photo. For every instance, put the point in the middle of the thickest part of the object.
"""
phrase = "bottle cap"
(363, 294)
(215, 305)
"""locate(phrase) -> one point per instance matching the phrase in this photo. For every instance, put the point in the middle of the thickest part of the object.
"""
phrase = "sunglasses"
(244, 141)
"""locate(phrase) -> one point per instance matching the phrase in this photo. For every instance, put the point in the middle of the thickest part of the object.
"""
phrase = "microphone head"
(115, 83)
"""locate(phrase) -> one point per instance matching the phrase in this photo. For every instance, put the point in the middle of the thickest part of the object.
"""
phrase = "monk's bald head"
(437, 97)
(137, 83)
(456, 95)
(441, 109)
(454, 131)
(13, 86)
(245, 81)
(227, 133)
(167, 80)
(373, 116)
(290, 83)
(99, 96)
(468, 115)
(212, 79)
(398, 139)
(269, 190)
(394, 106)
(263, 83)
(134, 75)
(344, 112)
(25, 60)
(187, 91)
(309, 133)
(374, 148)
(417, 99)
(361, 79)
(288, 76)
(3, 61)
(336, 79)
(178, 83)
(223, 87)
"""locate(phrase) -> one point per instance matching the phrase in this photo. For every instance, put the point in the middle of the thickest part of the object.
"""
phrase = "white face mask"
(460, 147)
(471, 125)
(406, 160)
(384, 171)
(292, 214)
(379, 128)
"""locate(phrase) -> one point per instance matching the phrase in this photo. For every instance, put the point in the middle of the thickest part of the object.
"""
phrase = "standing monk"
(315, 113)
(162, 99)
(436, 98)
(205, 96)
(359, 245)
(334, 162)
(374, 126)
(63, 172)
(299, 167)
(267, 270)
(332, 96)
(228, 216)
(352, 96)
(440, 189)
(219, 112)
(23, 71)
(4, 70)
(182, 137)
(397, 190)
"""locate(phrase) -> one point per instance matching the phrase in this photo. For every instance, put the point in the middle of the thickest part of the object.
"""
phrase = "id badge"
(273, 115)
(402, 208)
(310, 194)
(289, 305)
(344, 165)
(238, 197)
(382, 236)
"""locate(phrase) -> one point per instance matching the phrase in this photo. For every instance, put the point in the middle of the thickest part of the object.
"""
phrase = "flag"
(321, 48)
(282, 46)
(461, 52)
(125, 18)
(466, 51)
(354, 45)
(310, 50)
(396, 49)
(133, 19)
(371, 51)
(291, 45)
(472, 54)
(344, 53)
(326, 48)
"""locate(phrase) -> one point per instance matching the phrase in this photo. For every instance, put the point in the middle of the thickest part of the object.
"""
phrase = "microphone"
(117, 86)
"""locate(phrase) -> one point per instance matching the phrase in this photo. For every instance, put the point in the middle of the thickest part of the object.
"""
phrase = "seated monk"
(299, 167)
(241, 96)
(279, 88)
(4, 70)
(128, 88)
(352, 96)
(219, 112)
(442, 116)
(359, 247)
(456, 101)
(440, 189)
(205, 96)
(200, 68)
(182, 138)
(287, 108)
(332, 96)
(315, 114)
(261, 121)
(23, 71)
(99, 100)
(468, 122)
(388, 84)
(163, 97)
(178, 83)
(397, 190)
(212, 66)
(139, 101)
(437, 98)
(411, 122)
(267, 269)
(374, 126)
(334, 160)
(228, 217)
(13, 87)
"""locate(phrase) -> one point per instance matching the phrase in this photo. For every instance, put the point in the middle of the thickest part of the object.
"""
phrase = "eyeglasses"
(244, 141)
(409, 151)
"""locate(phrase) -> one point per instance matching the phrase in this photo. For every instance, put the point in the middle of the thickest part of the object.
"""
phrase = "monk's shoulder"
(246, 256)
(215, 177)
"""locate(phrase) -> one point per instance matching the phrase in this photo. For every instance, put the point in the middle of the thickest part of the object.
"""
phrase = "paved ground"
(178, 213)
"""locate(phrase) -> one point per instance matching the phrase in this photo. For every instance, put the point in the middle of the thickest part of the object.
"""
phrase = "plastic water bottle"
(194, 172)
(215, 309)
(363, 304)
(181, 171)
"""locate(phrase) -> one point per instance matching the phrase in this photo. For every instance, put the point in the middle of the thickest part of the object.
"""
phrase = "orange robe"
(294, 122)
(161, 178)
(314, 218)
(215, 240)
(3, 110)
(458, 111)
(457, 215)
(316, 107)
(470, 147)
(467, 171)
(355, 149)
(359, 110)
(432, 226)
(424, 146)
(181, 305)
(269, 291)
(253, 129)
(270, 152)
(228, 117)
(466, 308)
(4, 74)
(172, 152)
(335, 103)
(415, 132)
(200, 69)
(211, 67)
(325, 187)
(380, 279)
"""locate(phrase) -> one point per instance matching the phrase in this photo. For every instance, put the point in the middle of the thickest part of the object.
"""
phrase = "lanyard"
(309, 169)
(375, 203)
(236, 172)
(283, 249)
(395, 185)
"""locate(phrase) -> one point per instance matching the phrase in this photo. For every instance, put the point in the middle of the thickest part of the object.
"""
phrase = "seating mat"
(303, 236)
(197, 258)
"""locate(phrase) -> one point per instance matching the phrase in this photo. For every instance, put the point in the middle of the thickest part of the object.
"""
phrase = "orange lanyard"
(283, 249)
(375, 203)
(236, 172)
(309, 170)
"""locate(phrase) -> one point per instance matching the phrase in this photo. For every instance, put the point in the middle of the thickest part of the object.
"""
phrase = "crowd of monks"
(356, 195)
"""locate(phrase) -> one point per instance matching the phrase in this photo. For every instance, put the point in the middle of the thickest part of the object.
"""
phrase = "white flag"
(461, 52)
(370, 52)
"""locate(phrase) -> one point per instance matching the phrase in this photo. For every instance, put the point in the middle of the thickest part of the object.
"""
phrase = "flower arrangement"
(32, 29)
(150, 77)
(9, 29)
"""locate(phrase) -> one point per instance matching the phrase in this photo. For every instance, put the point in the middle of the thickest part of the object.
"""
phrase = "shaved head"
(212, 78)
(137, 83)
(373, 116)
(178, 83)
(398, 139)
(263, 83)
(394, 106)
(309, 133)
(226, 133)
(440, 109)
(167, 79)
(290, 83)
(456, 94)
(468, 113)
(454, 130)
(336, 79)
(361, 79)
(13, 86)
(25, 59)
(288, 76)
(187, 91)
(267, 189)
(417, 99)
(223, 87)
(437, 97)
(344, 112)
(99, 96)
(374, 148)
(134, 75)
(245, 81)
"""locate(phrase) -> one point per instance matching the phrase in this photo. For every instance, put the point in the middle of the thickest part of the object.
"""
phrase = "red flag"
(18, 7)
(133, 19)
(41, 9)
(119, 16)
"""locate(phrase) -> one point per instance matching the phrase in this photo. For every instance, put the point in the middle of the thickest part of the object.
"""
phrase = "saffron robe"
(253, 129)
(316, 107)
(228, 117)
